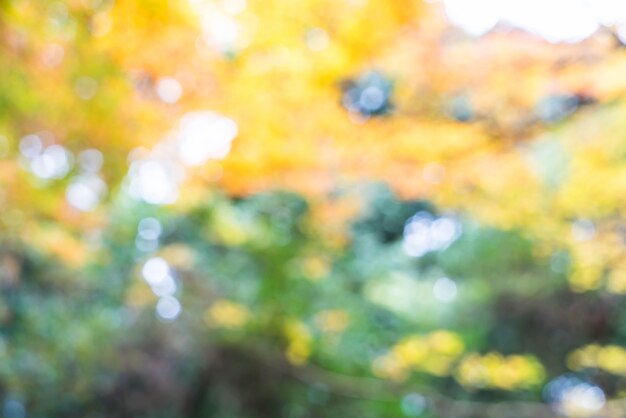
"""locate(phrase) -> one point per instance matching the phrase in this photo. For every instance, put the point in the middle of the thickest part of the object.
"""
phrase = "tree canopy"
(307, 209)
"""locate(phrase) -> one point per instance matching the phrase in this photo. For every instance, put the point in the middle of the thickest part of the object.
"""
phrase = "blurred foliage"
(268, 281)
(409, 221)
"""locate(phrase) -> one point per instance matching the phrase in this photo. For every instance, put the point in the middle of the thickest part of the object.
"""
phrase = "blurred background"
(312, 208)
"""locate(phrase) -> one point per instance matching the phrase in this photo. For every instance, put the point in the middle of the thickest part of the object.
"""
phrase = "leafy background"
(306, 209)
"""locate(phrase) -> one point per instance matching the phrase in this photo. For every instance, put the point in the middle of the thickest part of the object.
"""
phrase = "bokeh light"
(366, 208)
(553, 20)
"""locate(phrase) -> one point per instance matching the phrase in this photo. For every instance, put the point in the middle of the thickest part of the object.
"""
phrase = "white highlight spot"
(220, 30)
(165, 287)
(168, 308)
(149, 228)
(205, 135)
(169, 89)
(53, 163)
(424, 233)
(31, 146)
(85, 192)
(91, 160)
(155, 270)
(554, 20)
(317, 39)
(154, 182)
(445, 290)
(583, 398)
(583, 230)
(476, 17)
